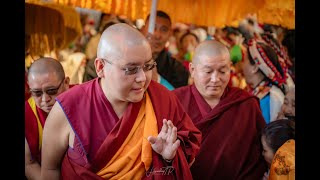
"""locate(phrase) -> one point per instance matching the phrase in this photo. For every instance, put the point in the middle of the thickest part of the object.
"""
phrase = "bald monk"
(120, 125)
(46, 79)
(229, 118)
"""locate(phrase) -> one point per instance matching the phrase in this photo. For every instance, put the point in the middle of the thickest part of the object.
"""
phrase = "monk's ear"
(67, 81)
(99, 65)
(191, 69)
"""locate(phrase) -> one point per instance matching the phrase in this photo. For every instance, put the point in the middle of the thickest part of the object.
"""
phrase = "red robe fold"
(100, 133)
(230, 147)
(31, 129)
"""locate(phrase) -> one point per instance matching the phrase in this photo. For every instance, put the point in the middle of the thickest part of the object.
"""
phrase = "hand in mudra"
(166, 143)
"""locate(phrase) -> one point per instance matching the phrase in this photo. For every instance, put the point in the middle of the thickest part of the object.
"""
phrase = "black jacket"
(172, 70)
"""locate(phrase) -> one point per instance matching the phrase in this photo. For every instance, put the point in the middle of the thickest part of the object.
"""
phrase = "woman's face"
(267, 152)
(247, 70)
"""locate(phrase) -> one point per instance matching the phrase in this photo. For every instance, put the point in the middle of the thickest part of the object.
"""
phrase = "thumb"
(151, 139)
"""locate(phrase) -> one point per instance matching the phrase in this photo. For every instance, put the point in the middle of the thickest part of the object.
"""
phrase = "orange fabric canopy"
(218, 13)
(50, 26)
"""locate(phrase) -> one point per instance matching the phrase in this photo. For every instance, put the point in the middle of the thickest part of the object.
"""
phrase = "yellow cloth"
(283, 163)
(33, 106)
(134, 157)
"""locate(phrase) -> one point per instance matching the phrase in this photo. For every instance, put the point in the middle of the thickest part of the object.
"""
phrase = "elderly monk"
(46, 80)
(229, 118)
(120, 125)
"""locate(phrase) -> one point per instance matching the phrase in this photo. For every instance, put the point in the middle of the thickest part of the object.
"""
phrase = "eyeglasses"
(134, 69)
(50, 92)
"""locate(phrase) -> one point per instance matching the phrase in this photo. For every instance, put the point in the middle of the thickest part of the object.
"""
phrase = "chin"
(136, 99)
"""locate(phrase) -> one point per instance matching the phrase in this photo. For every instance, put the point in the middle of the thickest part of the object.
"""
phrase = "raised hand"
(166, 143)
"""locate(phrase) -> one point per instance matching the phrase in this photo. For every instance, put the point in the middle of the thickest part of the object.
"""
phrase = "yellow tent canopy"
(50, 26)
(218, 13)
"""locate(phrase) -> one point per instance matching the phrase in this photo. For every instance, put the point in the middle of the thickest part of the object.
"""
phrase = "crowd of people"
(129, 106)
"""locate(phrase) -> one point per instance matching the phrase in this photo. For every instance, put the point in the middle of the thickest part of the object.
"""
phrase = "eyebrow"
(134, 64)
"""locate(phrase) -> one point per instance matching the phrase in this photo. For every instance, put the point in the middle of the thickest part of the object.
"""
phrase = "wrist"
(167, 160)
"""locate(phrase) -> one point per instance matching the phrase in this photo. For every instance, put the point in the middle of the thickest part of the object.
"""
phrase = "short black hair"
(161, 14)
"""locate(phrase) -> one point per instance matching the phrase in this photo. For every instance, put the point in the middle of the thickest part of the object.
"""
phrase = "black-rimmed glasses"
(135, 69)
(50, 92)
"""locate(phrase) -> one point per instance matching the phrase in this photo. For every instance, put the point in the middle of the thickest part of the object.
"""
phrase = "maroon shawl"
(31, 129)
(230, 147)
(100, 133)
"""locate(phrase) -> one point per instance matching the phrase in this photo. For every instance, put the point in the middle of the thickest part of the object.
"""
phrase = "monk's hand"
(166, 143)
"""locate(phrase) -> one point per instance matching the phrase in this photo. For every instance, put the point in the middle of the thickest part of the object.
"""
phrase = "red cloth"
(230, 147)
(100, 133)
(31, 129)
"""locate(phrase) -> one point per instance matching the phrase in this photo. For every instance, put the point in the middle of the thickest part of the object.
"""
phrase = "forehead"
(136, 54)
(264, 141)
(290, 95)
(42, 79)
(161, 21)
(222, 60)
(189, 37)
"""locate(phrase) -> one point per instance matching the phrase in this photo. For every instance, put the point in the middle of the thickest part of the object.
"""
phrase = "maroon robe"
(31, 129)
(230, 147)
(99, 133)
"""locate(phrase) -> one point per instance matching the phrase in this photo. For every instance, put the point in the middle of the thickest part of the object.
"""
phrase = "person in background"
(266, 75)
(229, 118)
(120, 125)
(158, 78)
(278, 141)
(168, 67)
(188, 42)
(288, 107)
(46, 80)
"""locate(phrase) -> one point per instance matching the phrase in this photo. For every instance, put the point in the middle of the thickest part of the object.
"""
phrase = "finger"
(169, 132)
(164, 128)
(173, 135)
(175, 145)
(170, 124)
(152, 139)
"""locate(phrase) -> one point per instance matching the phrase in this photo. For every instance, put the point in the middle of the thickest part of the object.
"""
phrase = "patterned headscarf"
(265, 64)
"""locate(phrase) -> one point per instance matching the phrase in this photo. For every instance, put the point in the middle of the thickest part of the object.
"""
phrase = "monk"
(46, 80)
(229, 118)
(120, 125)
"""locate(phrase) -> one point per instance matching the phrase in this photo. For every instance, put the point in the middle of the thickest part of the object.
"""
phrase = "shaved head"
(209, 48)
(118, 39)
(46, 65)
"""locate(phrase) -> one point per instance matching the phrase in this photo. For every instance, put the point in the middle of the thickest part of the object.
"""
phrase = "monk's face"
(211, 75)
(128, 78)
(45, 88)
(267, 152)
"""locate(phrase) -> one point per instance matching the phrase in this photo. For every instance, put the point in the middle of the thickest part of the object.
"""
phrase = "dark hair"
(289, 42)
(278, 132)
(272, 55)
(251, 21)
(186, 34)
(160, 14)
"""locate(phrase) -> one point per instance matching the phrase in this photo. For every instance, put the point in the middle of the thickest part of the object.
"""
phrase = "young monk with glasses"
(120, 125)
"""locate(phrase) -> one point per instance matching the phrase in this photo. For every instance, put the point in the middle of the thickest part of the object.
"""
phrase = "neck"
(212, 101)
(118, 106)
(155, 55)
